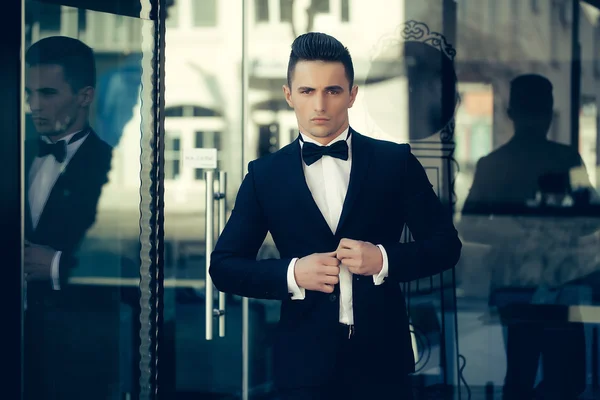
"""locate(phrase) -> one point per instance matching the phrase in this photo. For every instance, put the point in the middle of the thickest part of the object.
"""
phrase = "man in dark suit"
(66, 167)
(335, 203)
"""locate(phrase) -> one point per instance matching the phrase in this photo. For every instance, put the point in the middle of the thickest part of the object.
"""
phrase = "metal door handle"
(222, 199)
(210, 231)
(211, 196)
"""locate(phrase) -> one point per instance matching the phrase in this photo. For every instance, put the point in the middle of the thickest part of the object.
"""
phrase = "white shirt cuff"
(297, 292)
(380, 277)
(55, 271)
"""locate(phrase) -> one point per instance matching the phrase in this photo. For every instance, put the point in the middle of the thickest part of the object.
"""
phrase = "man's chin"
(321, 133)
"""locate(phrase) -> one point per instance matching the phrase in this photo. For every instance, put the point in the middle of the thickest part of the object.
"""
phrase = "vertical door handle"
(209, 238)
(222, 199)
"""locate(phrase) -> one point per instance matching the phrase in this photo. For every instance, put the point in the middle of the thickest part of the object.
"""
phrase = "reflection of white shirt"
(328, 180)
(43, 175)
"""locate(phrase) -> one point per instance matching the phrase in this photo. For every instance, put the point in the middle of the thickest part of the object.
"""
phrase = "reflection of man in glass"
(66, 167)
(335, 202)
(514, 184)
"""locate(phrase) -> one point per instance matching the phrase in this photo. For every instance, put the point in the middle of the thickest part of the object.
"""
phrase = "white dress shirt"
(328, 180)
(43, 175)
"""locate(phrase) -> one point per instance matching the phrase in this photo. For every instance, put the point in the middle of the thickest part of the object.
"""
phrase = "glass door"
(203, 169)
(92, 232)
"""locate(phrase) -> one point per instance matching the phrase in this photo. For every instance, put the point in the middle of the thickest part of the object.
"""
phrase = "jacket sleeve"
(233, 267)
(436, 246)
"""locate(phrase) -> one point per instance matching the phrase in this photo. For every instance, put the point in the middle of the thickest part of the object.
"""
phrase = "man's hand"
(361, 258)
(319, 272)
(38, 262)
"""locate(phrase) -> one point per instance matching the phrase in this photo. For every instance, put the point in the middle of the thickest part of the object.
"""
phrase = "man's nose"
(34, 102)
(319, 102)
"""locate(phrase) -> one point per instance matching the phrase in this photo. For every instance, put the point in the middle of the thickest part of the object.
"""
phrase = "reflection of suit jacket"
(388, 188)
(530, 245)
(508, 177)
(71, 206)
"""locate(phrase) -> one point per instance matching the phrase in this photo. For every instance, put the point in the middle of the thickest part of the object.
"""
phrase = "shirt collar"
(65, 138)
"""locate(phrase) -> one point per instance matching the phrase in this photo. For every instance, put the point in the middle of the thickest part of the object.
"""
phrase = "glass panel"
(88, 134)
(516, 160)
(203, 111)
(527, 203)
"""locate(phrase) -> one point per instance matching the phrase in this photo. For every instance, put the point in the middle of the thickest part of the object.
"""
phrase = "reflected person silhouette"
(521, 184)
(66, 167)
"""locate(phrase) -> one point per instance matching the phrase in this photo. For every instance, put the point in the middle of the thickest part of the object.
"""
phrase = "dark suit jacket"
(388, 188)
(71, 206)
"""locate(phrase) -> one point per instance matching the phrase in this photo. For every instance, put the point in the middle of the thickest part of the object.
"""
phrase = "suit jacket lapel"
(30, 155)
(299, 187)
(58, 190)
(361, 157)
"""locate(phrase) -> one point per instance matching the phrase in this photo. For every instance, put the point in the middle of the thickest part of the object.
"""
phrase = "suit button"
(332, 297)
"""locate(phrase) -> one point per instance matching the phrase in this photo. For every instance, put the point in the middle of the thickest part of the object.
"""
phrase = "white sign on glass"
(200, 158)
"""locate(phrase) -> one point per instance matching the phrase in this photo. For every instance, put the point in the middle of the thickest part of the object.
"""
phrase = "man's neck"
(531, 134)
(324, 141)
(55, 138)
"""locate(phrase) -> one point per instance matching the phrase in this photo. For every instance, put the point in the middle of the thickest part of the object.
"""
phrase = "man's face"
(320, 96)
(55, 107)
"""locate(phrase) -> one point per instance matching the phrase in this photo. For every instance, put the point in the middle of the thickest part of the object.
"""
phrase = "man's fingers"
(331, 279)
(352, 263)
(332, 270)
(343, 254)
(330, 261)
(327, 288)
(348, 244)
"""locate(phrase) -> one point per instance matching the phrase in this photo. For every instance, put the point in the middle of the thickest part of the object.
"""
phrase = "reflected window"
(345, 12)
(204, 13)
(261, 10)
(597, 52)
(172, 155)
(320, 6)
(190, 111)
(285, 10)
(209, 140)
(492, 15)
(554, 16)
(81, 19)
(49, 19)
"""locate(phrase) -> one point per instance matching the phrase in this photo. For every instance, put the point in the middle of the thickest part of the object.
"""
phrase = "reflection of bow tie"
(312, 153)
(58, 149)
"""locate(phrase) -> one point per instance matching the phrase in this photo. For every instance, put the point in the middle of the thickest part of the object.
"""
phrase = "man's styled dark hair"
(75, 57)
(316, 46)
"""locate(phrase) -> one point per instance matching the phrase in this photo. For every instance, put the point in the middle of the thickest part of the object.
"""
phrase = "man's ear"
(86, 96)
(287, 92)
(353, 93)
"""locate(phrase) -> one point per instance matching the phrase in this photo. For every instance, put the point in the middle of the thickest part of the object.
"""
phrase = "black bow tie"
(58, 149)
(311, 152)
